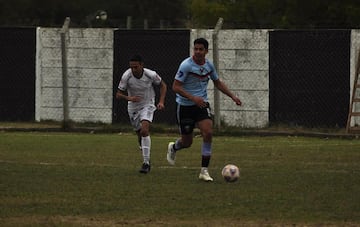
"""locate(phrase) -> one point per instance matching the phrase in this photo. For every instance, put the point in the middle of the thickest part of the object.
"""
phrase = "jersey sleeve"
(153, 76)
(156, 79)
(182, 72)
(213, 75)
(123, 81)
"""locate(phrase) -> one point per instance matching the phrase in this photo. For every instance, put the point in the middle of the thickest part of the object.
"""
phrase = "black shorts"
(188, 116)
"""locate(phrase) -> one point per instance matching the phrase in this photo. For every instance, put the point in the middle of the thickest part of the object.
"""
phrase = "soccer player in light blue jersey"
(193, 108)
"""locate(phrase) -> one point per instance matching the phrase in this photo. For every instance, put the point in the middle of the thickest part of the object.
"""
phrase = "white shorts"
(146, 113)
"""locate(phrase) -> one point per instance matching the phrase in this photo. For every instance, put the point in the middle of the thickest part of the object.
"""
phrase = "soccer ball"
(230, 173)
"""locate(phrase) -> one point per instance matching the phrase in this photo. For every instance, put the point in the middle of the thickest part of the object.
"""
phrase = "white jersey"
(142, 87)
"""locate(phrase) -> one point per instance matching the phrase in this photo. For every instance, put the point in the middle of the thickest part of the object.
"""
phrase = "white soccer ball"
(230, 173)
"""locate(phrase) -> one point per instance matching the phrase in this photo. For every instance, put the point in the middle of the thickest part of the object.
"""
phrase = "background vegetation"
(280, 14)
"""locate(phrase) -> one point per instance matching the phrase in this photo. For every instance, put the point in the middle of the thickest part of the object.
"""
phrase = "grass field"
(69, 179)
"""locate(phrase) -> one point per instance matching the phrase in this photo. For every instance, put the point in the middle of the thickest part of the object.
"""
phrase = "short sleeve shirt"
(195, 79)
(142, 87)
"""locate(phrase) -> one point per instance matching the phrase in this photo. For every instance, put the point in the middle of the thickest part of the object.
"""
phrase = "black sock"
(205, 160)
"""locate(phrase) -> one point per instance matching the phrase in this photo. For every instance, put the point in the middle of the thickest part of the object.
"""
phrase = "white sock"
(146, 145)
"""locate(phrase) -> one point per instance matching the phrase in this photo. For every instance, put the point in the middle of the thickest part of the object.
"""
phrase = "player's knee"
(207, 135)
(144, 132)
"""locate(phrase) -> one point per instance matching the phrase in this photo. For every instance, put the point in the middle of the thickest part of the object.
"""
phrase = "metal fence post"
(218, 26)
(128, 22)
(63, 33)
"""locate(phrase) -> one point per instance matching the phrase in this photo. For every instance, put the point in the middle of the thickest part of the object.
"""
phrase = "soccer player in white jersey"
(139, 83)
(193, 108)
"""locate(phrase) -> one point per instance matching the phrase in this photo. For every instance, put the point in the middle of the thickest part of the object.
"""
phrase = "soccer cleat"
(145, 168)
(171, 154)
(204, 175)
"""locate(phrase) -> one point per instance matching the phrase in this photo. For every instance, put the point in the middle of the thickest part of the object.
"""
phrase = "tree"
(53, 12)
(282, 14)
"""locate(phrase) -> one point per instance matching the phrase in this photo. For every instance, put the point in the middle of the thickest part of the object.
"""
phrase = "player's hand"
(119, 95)
(134, 98)
(160, 106)
(199, 101)
(237, 101)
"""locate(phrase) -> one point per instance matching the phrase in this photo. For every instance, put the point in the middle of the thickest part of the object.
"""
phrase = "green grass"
(68, 179)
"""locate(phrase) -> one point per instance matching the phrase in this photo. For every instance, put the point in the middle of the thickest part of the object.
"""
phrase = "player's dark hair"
(137, 58)
(203, 42)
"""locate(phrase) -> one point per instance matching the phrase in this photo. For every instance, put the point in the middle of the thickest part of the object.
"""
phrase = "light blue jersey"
(195, 79)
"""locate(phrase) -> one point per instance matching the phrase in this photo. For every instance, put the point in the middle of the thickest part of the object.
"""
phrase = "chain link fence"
(162, 51)
(309, 82)
(17, 74)
(309, 77)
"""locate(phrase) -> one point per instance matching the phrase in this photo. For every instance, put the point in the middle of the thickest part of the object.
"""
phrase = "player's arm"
(178, 88)
(163, 89)
(121, 95)
(224, 89)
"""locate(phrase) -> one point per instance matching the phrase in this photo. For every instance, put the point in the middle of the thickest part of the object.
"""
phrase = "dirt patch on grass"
(109, 222)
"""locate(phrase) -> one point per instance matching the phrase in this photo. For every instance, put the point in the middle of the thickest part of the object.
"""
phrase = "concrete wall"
(90, 75)
(244, 67)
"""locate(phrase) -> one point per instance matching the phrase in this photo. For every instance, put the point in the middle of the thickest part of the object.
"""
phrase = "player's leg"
(186, 120)
(146, 117)
(206, 128)
(135, 123)
(186, 125)
(139, 138)
(184, 141)
(145, 141)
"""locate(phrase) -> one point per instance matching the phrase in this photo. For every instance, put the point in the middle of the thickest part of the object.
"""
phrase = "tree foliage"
(281, 14)
(53, 12)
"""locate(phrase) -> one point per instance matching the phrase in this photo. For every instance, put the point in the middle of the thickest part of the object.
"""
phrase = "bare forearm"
(121, 95)
(163, 90)
(224, 89)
